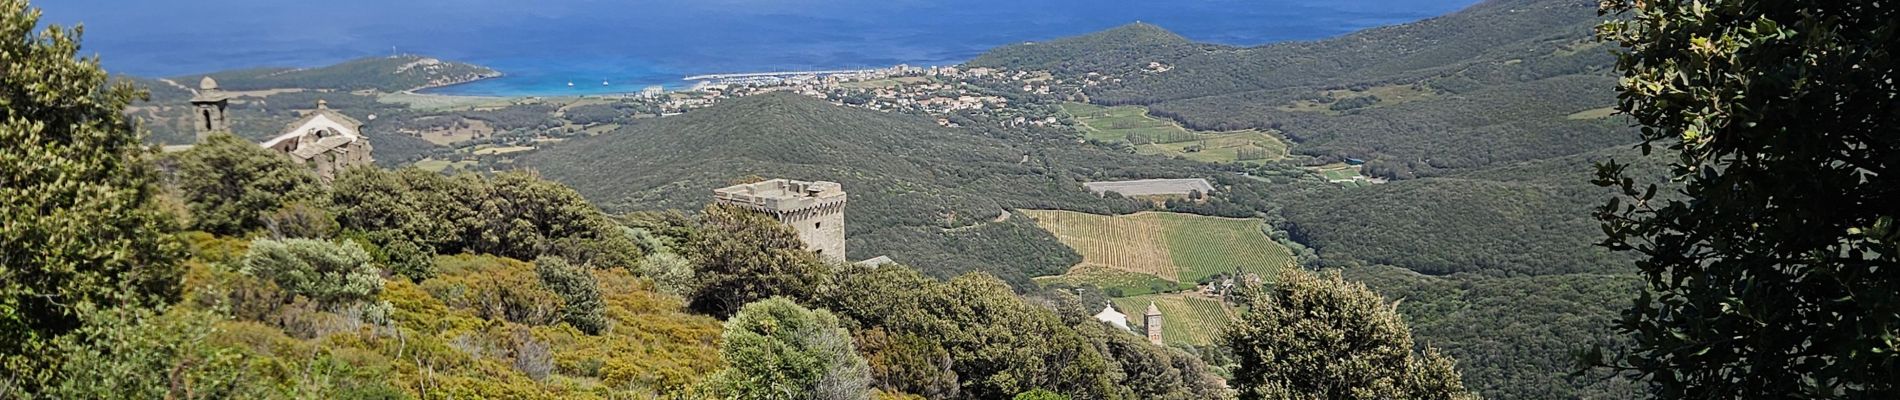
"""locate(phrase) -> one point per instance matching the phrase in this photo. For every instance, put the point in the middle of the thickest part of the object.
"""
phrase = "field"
(1152, 135)
(498, 150)
(1124, 283)
(433, 102)
(1227, 147)
(434, 165)
(1385, 95)
(1170, 247)
(1186, 318)
(1342, 174)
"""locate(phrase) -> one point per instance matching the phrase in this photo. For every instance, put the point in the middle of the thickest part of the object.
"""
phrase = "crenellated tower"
(814, 209)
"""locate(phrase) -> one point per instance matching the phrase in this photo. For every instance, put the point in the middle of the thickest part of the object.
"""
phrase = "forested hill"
(387, 74)
(923, 194)
(1121, 49)
(1500, 82)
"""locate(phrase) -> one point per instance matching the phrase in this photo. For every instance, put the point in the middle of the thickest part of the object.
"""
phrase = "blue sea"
(543, 44)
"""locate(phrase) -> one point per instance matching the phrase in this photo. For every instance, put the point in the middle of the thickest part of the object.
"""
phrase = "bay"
(629, 44)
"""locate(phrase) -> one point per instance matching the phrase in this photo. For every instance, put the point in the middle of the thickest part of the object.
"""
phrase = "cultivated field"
(1172, 247)
(1341, 174)
(1158, 136)
(1186, 318)
(1124, 283)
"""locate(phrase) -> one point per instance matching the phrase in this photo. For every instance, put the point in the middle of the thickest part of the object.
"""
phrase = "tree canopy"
(231, 184)
(777, 349)
(1321, 337)
(1771, 269)
(80, 224)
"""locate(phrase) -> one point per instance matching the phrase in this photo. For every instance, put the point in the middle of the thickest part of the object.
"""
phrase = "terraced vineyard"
(1172, 247)
(1186, 318)
(1158, 136)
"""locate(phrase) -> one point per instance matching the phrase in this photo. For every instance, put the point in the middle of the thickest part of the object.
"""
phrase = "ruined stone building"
(325, 140)
(814, 209)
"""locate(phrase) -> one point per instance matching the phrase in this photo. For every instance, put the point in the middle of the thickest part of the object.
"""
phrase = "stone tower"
(814, 209)
(211, 104)
(1151, 320)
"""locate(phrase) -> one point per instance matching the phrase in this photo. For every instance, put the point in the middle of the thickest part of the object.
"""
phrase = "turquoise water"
(543, 45)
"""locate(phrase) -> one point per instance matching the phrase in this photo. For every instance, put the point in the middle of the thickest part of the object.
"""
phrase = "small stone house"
(325, 140)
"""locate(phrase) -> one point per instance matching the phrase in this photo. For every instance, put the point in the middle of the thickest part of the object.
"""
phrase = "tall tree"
(1772, 268)
(79, 226)
(1314, 337)
(779, 350)
(743, 256)
(231, 184)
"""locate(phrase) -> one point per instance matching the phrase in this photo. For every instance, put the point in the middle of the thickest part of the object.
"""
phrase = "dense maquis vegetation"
(1488, 118)
(1772, 273)
(1493, 84)
(922, 194)
(387, 74)
(1527, 219)
(409, 285)
(1513, 337)
(81, 226)
(1321, 337)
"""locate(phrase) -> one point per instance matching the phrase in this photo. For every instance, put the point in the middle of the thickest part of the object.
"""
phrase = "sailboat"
(570, 83)
(603, 83)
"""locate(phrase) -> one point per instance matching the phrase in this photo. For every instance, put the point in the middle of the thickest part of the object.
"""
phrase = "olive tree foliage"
(331, 273)
(1322, 337)
(79, 225)
(779, 350)
(1771, 257)
(232, 186)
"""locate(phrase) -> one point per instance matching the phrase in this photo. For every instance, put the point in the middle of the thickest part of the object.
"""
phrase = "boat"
(570, 84)
(603, 83)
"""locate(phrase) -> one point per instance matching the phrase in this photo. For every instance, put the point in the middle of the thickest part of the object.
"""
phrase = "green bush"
(777, 349)
(232, 186)
(328, 272)
(578, 290)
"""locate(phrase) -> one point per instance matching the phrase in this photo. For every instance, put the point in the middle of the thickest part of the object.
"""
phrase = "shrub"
(776, 347)
(495, 288)
(578, 290)
(328, 272)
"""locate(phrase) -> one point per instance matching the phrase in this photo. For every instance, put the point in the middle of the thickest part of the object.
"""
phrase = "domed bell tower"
(210, 106)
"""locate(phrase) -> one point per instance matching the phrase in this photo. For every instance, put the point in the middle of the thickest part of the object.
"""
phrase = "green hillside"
(1123, 49)
(387, 74)
(922, 194)
(1496, 83)
(1488, 121)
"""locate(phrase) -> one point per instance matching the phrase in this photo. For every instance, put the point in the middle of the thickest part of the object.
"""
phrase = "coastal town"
(934, 90)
